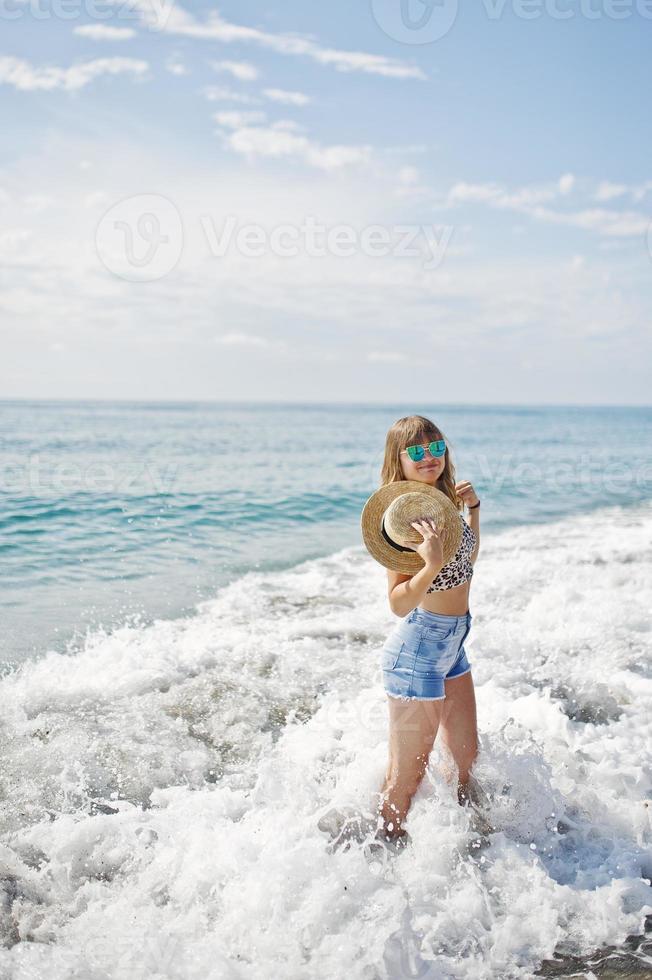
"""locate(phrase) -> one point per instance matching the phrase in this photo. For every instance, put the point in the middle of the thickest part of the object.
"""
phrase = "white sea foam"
(219, 740)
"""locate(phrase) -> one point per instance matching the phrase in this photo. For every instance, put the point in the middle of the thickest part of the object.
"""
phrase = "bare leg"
(460, 731)
(412, 730)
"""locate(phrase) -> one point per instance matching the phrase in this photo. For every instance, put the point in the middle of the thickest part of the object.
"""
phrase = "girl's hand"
(467, 493)
(431, 548)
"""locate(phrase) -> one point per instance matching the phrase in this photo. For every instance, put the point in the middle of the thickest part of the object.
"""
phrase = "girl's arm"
(467, 494)
(405, 592)
(474, 522)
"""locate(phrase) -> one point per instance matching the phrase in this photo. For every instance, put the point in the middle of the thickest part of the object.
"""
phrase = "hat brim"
(407, 562)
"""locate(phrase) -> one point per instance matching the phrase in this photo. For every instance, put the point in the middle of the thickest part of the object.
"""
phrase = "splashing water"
(161, 788)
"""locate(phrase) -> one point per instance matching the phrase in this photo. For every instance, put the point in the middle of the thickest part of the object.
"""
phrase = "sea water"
(191, 638)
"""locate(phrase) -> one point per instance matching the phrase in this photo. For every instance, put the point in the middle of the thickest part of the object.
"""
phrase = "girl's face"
(428, 470)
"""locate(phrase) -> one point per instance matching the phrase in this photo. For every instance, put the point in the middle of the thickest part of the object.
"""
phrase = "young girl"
(426, 674)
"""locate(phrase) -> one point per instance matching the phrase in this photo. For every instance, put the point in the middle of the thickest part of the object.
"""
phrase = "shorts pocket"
(430, 669)
(392, 651)
(437, 654)
(437, 632)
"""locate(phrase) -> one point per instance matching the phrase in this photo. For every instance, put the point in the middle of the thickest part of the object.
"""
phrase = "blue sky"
(504, 165)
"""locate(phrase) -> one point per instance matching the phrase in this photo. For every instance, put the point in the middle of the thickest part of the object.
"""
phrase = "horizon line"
(316, 404)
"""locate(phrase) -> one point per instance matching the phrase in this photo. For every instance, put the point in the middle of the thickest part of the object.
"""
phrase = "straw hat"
(388, 534)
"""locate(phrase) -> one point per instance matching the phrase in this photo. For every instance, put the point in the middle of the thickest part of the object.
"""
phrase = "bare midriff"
(451, 602)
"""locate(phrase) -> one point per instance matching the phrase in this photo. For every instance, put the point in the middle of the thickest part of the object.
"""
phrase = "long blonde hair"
(413, 430)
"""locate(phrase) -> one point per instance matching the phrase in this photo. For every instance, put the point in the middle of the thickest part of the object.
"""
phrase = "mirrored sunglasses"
(416, 453)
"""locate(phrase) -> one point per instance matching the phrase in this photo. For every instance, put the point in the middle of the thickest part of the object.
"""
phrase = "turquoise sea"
(117, 511)
(191, 631)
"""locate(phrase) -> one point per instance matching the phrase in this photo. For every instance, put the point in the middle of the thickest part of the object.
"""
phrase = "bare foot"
(394, 841)
(472, 792)
(472, 795)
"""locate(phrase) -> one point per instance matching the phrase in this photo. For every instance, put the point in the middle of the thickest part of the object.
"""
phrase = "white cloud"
(566, 183)
(174, 19)
(531, 201)
(38, 202)
(281, 141)
(102, 32)
(289, 125)
(607, 191)
(236, 339)
(461, 193)
(215, 93)
(95, 199)
(623, 224)
(410, 187)
(408, 176)
(11, 241)
(360, 61)
(286, 98)
(244, 71)
(176, 67)
(30, 78)
(237, 120)
(639, 192)
(58, 289)
(493, 194)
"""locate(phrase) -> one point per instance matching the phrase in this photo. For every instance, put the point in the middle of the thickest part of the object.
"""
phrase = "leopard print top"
(459, 568)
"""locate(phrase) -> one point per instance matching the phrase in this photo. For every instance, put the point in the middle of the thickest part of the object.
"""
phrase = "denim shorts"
(423, 651)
